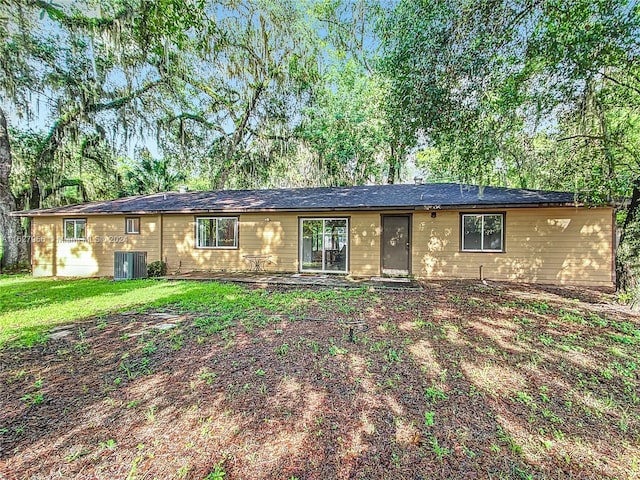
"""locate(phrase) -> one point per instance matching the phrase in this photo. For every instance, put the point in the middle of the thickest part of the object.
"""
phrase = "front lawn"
(149, 379)
(29, 307)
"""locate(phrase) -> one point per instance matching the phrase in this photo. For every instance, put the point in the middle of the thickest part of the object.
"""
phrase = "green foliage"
(68, 70)
(546, 339)
(215, 324)
(33, 398)
(149, 175)
(282, 350)
(241, 79)
(335, 350)
(393, 355)
(157, 269)
(217, 473)
(506, 438)
(345, 127)
(230, 94)
(438, 449)
(208, 377)
(513, 93)
(433, 394)
(429, 419)
(110, 444)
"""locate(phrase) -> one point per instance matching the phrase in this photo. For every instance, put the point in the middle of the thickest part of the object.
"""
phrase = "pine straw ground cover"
(459, 380)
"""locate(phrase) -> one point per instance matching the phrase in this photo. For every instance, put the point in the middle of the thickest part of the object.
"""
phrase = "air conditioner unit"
(129, 265)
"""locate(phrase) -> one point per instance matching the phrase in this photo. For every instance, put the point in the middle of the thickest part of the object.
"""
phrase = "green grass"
(525, 405)
(30, 307)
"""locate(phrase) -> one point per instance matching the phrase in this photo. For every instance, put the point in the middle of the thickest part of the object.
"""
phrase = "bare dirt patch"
(460, 380)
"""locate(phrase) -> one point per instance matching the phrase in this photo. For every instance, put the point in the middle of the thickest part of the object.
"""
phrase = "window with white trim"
(75, 228)
(324, 244)
(217, 232)
(132, 225)
(482, 232)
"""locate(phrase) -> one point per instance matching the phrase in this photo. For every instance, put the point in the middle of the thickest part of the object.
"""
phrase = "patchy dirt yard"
(459, 380)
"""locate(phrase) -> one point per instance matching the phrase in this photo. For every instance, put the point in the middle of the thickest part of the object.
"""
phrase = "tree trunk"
(241, 129)
(628, 254)
(35, 195)
(12, 240)
(393, 166)
(221, 178)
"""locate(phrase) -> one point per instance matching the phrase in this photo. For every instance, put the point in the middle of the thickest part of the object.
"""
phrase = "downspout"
(54, 250)
(162, 237)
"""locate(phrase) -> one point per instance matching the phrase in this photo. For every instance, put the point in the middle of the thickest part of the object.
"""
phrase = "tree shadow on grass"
(43, 304)
(44, 292)
(443, 385)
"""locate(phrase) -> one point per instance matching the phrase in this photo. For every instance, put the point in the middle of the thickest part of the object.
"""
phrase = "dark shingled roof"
(368, 197)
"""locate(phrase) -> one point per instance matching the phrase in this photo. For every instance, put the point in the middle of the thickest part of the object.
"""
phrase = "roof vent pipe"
(182, 188)
(417, 180)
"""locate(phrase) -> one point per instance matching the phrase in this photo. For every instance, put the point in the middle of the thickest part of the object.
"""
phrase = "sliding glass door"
(324, 244)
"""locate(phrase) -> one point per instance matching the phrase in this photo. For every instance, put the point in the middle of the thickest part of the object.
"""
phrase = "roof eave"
(191, 211)
(476, 206)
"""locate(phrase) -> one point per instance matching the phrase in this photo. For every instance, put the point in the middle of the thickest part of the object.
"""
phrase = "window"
(132, 226)
(483, 232)
(217, 232)
(75, 228)
(324, 244)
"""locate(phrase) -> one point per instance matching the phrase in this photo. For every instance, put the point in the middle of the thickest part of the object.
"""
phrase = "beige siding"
(277, 236)
(544, 245)
(43, 246)
(52, 255)
(553, 245)
(364, 255)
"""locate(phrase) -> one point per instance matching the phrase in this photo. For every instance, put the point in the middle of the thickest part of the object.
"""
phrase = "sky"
(43, 105)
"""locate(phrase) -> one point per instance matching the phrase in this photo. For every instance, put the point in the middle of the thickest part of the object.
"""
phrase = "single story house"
(430, 231)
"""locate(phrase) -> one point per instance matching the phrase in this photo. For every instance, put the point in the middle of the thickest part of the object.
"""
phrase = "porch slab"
(298, 279)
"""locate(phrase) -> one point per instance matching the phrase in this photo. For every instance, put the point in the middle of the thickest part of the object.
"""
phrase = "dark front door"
(396, 244)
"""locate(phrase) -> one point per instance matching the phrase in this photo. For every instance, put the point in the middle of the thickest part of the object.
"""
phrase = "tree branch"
(283, 138)
(622, 84)
(251, 53)
(196, 118)
(588, 137)
(240, 129)
(80, 21)
(54, 137)
(191, 116)
(238, 135)
(66, 183)
(203, 87)
(122, 101)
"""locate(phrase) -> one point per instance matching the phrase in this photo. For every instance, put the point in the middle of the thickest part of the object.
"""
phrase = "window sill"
(482, 251)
